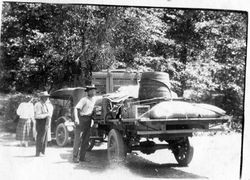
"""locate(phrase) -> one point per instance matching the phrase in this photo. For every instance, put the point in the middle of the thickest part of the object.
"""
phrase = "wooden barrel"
(153, 85)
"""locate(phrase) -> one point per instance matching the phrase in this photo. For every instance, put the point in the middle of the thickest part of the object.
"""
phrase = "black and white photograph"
(124, 90)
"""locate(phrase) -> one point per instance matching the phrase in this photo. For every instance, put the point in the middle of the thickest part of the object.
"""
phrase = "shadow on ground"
(149, 169)
(135, 164)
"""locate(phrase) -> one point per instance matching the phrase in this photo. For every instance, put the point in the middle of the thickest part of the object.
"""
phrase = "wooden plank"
(188, 120)
(174, 121)
(176, 131)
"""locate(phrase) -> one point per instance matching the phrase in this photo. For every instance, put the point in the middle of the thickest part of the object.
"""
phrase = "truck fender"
(67, 122)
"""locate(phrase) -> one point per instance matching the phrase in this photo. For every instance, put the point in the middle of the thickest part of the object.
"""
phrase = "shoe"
(84, 160)
(37, 154)
(42, 154)
(75, 160)
(83, 163)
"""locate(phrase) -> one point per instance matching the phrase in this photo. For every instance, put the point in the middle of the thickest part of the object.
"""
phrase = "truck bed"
(175, 126)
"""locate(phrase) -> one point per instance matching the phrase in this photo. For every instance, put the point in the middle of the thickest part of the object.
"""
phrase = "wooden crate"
(110, 81)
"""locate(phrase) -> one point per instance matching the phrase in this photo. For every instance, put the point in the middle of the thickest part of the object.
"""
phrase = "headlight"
(70, 128)
(69, 123)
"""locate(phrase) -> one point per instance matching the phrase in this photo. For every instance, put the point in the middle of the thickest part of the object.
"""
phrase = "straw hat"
(90, 87)
(43, 94)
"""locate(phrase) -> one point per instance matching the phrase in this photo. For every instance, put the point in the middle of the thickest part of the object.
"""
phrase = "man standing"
(83, 114)
(42, 121)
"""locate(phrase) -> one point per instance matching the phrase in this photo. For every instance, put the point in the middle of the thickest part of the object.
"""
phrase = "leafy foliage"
(49, 45)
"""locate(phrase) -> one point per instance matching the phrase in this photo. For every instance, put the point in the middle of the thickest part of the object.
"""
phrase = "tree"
(48, 45)
(26, 35)
(228, 39)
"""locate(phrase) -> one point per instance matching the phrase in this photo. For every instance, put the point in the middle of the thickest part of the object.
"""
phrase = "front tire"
(62, 135)
(116, 147)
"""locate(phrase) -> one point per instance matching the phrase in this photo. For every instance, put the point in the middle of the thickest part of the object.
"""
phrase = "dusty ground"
(215, 157)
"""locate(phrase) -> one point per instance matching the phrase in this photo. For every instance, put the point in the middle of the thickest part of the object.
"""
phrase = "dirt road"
(215, 157)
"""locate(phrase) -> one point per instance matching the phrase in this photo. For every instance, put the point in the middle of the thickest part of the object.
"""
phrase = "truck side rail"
(222, 119)
(179, 131)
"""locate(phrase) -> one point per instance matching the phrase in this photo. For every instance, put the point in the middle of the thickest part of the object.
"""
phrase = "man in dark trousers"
(83, 114)
(42, 119)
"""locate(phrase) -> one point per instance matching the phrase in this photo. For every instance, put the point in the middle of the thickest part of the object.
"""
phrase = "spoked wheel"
(116, 147)
(183, 151)
(62, 135)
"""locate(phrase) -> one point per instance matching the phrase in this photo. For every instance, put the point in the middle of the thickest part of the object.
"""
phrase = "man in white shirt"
(83, 114)
(42, 116)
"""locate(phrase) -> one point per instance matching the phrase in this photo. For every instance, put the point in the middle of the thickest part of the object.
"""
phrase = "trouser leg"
(40, 128)
(49, 130)
(38, 137)
(34, 133)
(85, 138)
(77, 141)
(44, 140)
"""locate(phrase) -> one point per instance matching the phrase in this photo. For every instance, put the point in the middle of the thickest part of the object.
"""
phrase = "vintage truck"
(137, 116)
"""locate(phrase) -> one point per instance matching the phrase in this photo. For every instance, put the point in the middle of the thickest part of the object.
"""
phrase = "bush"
(3, 103)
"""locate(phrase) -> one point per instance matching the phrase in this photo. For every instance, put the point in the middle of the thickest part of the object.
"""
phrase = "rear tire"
(183, 151)
(116, 147)
(62, 135)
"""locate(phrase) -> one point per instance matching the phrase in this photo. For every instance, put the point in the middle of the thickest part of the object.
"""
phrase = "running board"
(96, 137)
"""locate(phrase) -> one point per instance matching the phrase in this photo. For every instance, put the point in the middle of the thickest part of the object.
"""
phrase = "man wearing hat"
(83, 114)
(42, 116)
